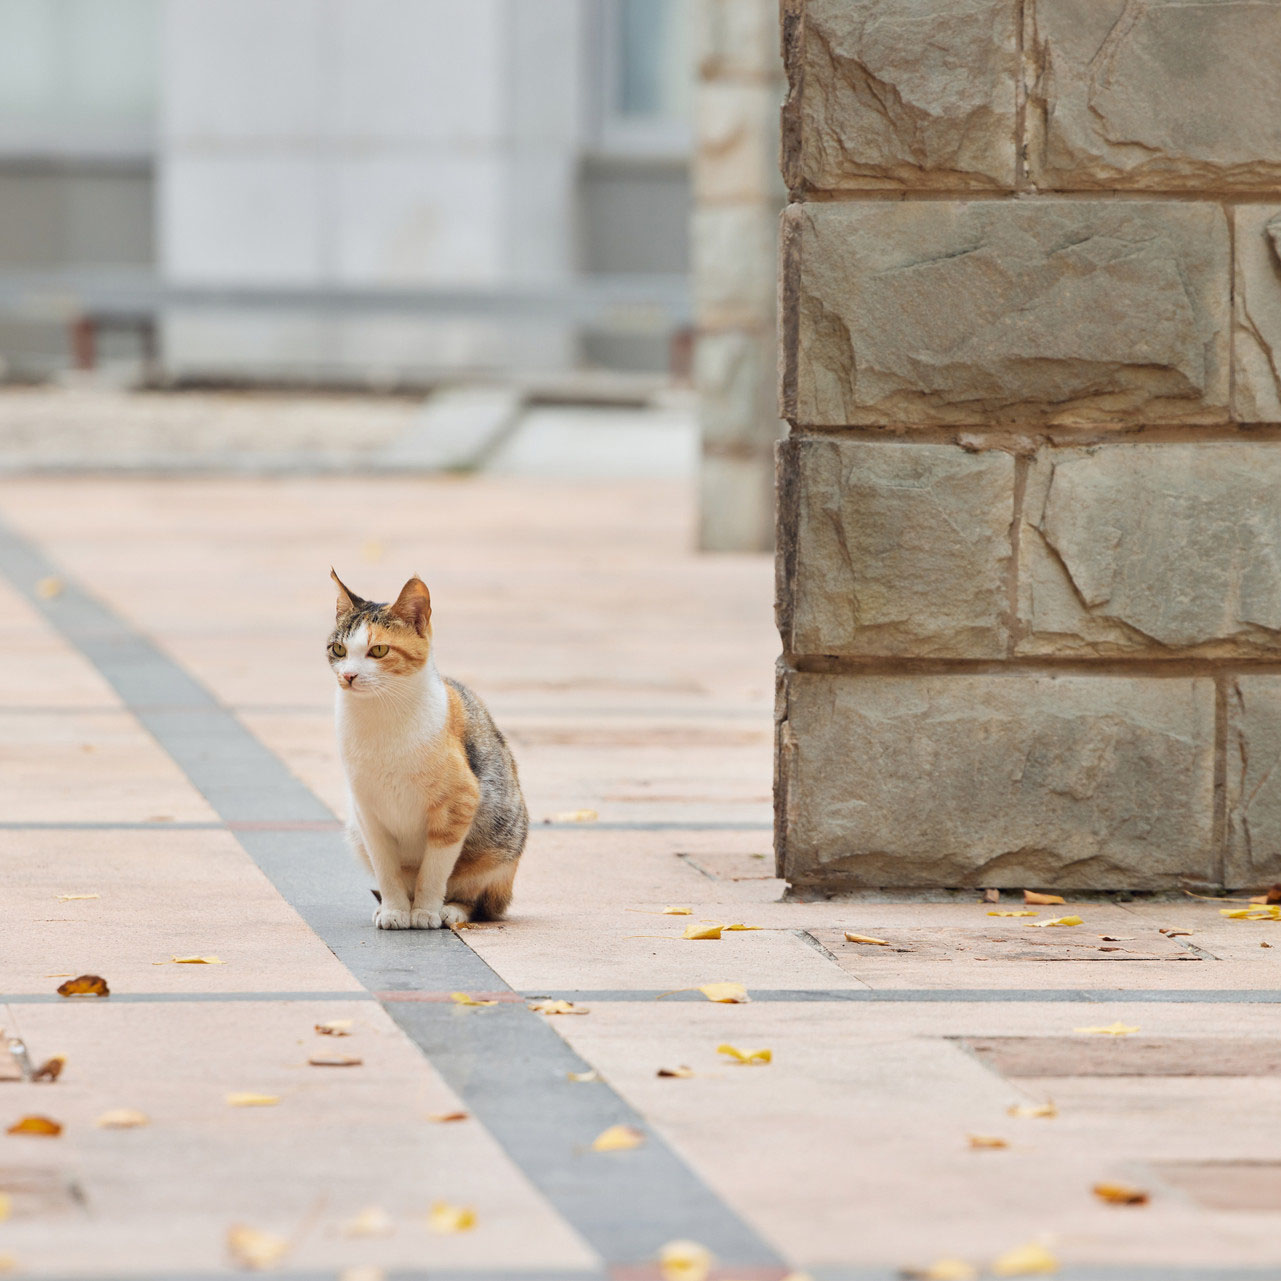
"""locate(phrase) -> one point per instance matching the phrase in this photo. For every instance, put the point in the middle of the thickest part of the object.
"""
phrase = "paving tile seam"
(509, 1066)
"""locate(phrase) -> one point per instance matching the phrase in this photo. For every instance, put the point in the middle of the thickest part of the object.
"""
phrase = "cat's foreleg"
(379, 851)
(429, 911)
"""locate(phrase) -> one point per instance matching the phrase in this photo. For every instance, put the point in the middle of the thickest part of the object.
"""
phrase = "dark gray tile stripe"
(506, 1062)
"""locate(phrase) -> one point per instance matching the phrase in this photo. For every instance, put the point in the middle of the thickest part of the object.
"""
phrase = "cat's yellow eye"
(338, 649)
(378, 651)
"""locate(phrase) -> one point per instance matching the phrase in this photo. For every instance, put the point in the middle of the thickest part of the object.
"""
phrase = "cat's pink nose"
(350, 678)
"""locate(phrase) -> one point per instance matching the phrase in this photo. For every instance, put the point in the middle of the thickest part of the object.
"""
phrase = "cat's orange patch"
(406, 650)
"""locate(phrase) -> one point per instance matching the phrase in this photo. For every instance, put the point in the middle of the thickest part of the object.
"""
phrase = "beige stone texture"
(732, 248)
(741, 517)
(737, 39)
(1158, 95)
(910, 314)
(736, 128)
(893, 549)
(1256, 319)
(1163, 549)
(900, 94)
(897, 781)
(736, 375)
(1254, 783)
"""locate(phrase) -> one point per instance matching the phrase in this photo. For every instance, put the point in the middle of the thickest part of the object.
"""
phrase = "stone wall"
(1029, 582)
(737, 195)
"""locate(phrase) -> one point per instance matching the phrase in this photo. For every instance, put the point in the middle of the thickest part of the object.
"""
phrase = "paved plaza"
(170, 788)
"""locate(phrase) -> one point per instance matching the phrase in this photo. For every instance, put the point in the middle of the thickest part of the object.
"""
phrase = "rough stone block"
(735, 373)
(1100, 782)
(736, 502)
(1254, 782)
(1256, 321)
(1167, 549)
(1050, 311)
(737, 39)
(900, 94)
(733, 269)
(1162, 95)
(892, 549)
(737, 143)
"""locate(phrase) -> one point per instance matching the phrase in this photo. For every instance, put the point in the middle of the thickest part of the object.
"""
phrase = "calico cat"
(436, 809)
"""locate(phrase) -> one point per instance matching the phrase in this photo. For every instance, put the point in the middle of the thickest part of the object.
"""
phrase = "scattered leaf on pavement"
(464, 998)
(1269, 896)
(122, 1119)
(684, 1261)
(1010, 914)
(1031, 1260)
(680, 1073)
(618, 1138)
(335, 1060)
(742, 927)
(197, 960)
(444, 1218)
(987, 1141)
(863, 938)
(573, 816)
(1112, 1029)
(745, 1056)
(443, 1118)
(335, 1027)
(703, 931)
(725, 993)
(50, 1069)
(1120, 1194)
(557, 1007)
(1058, 920)
(678, 911)
(372, 1221)
(75, 898)
(249, 1100)
(944, 1270)
(1265, 944)
(1033, 899)
(254, 1250)
(1026, 1110)
(1271, 913)
(85, 985)
(48, 588)
(583, 1077)
(41, 1125)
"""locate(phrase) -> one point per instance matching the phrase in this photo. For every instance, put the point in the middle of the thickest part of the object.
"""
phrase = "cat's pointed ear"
(413, 606)
(347, 601)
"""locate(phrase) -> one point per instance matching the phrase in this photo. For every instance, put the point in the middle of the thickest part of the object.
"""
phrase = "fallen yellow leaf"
(1058, 920)
(703, 931)
(1120, 1194)
(196, 960)
(443, 1118)
(679, 1073)
(1026, 1110)
(122, 1119)
(1010, 914)
(373, 1221)
(463, 998)
(248, 1100)
(451, 1218)
(745, 1056)
(1032, 1260)
(986, 1141)
(742, 927)
(85, 985)
(6, 1206)
(1112, 1029)
(684, 1261)
(618, 1138)
(725, 993)
(944, 1270)
(75, 898)
(557, 1007)
(254, 1250)
(48, 588)
(678, 911)
(335, 1060)
(41, 1125)
(1033, 899)
(584, 1077)
(574, 816)
(1272, 913)
(863, 938)
(335, 1027)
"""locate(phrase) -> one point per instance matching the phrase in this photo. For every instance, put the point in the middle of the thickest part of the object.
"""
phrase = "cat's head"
(374, 647)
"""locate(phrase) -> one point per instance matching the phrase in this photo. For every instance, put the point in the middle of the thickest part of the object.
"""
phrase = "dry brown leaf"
(618, 1138)
(372, 1221)
(1120, 1194)
(745, 1056)
(987, 1141)
(50, 1069)
(122, 1119)
(48, 588)
(196, 960)
(703, 931)
(1033, 899)
(1026, 1110)
(446, 1218)
(557, 1007)
(1265, 944)
(40, 1125)
(863, 938)
(335, 1027)
(574, 816)
(464, 998)
(684, 1261)
(1031, 1260)
(1112, 1029)
(583, 1077)
(944, 1270)
(335, 1060)
(250, 1100)
(1058, 920)
(443, 1118)
(85, 985)
(75, 898)
(254, 1250)
(1012, 913)
(681, 1073)
(1269, 896)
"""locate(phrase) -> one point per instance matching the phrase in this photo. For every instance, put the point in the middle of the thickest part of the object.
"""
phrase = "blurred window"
(78, 77)
(646, 72)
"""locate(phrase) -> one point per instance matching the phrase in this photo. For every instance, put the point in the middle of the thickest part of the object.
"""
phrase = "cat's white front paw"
(392, 918)
(454, 914)
(426, 918)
